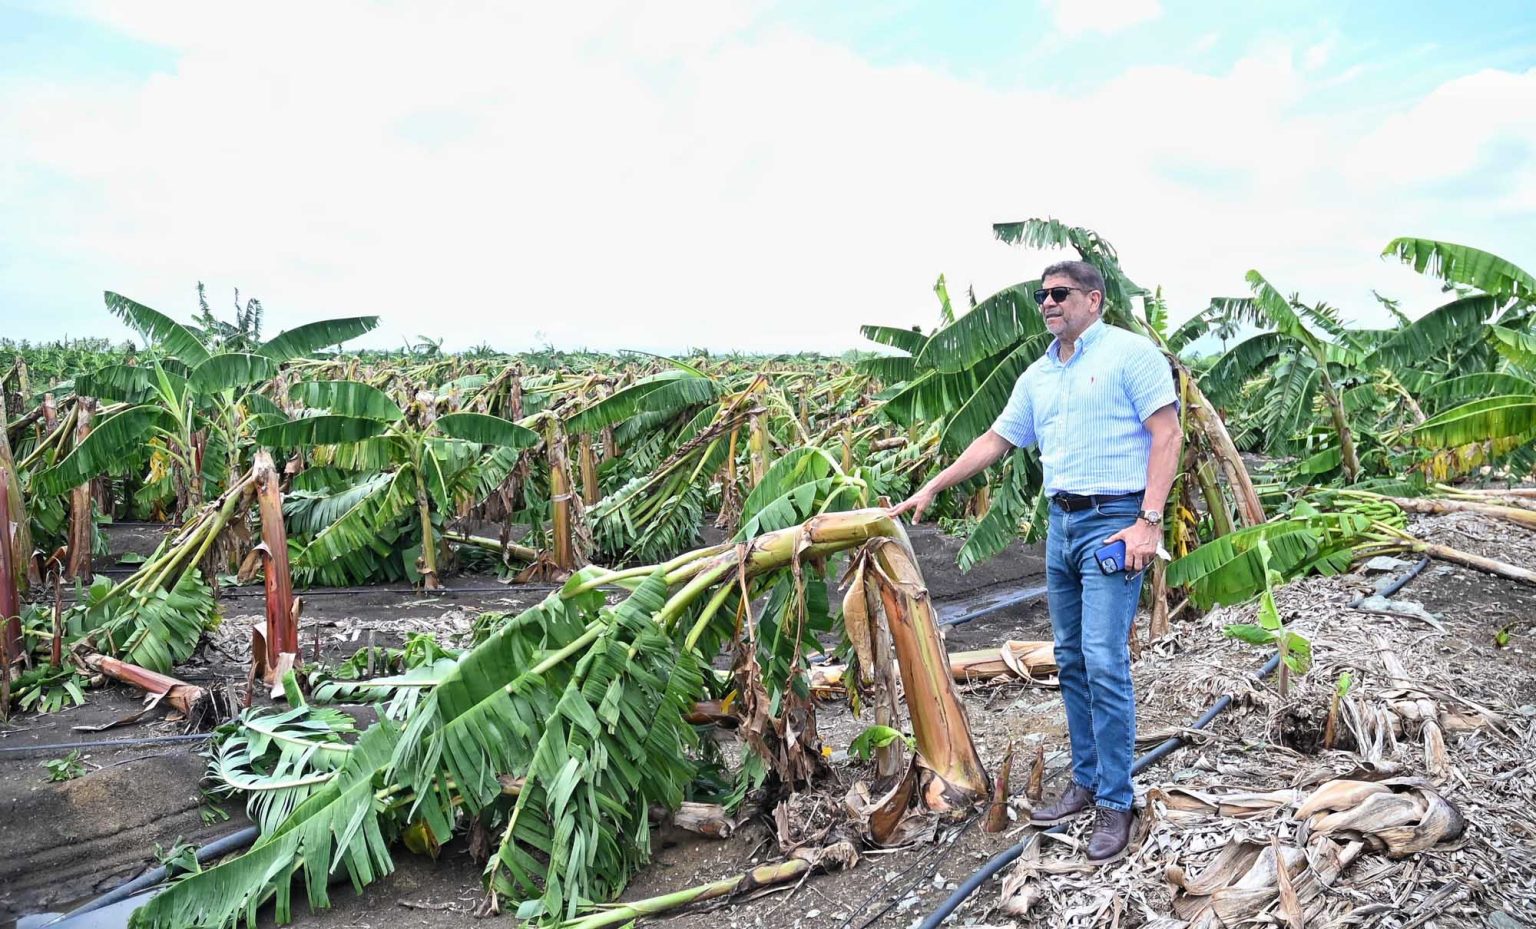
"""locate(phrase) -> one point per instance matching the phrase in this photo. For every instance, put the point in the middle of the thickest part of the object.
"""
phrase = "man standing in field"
(1100, 404)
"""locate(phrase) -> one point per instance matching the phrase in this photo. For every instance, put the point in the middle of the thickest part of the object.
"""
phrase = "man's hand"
(1142, 540)
(980, 454)
(915, 504)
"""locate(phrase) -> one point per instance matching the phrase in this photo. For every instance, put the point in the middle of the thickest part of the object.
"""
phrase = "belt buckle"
(1067, 501)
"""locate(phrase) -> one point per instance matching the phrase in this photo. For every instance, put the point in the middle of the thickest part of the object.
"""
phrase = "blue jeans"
(1091, 614)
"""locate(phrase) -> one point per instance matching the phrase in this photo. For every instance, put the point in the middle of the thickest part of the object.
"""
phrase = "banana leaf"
(310, 337)
(346, 398)
(177, 340)
(1461, 264)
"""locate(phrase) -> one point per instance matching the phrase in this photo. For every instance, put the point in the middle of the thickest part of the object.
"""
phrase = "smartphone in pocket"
(1111, 558)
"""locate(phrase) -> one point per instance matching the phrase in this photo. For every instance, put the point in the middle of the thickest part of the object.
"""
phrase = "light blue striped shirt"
(1088, 416)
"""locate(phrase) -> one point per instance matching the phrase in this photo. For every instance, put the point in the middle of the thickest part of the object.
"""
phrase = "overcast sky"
(737, 175)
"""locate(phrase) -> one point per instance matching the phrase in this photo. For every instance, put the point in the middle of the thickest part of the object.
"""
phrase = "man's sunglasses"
(1057, 294)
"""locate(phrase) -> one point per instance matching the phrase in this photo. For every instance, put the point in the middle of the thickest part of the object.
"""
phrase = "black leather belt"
(1074, 502)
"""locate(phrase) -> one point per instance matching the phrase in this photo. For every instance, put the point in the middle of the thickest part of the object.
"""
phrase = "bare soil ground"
(60, 843)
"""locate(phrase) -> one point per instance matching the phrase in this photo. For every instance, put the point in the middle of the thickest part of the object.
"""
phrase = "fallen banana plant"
(184, 698)
(583, 708)
(1034, 662)
(834, 857)
(155, 617)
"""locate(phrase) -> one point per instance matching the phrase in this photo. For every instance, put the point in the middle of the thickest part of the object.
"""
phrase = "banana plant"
(558, 732)
(1294, 648)
(389, 474)
(1287, 335)
(1497, 418)
(192, 407)
(677, 427)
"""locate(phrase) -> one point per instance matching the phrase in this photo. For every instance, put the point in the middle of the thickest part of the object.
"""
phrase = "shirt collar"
(1090, 335)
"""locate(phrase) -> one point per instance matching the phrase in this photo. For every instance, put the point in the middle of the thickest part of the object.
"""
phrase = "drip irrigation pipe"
(1004, 858)
(1399, 583)
(507, 589)
(233, 842)
(13, 750)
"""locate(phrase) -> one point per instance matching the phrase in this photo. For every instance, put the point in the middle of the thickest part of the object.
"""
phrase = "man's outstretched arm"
(980, 455)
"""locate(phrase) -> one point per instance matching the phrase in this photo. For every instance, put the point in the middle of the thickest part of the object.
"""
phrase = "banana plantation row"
(1307, 442)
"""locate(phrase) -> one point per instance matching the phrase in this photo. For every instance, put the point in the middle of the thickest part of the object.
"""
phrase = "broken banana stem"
(1436, 507)
(997, 813)
(768, 875)
(939, 723)
(1029, 661)
(511, 550)
(282, 632)
(1036, 788)
(181, 695)
(10, 592)
(706, 819)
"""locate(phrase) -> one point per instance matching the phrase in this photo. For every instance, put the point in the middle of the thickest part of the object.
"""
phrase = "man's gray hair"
(1080, 273)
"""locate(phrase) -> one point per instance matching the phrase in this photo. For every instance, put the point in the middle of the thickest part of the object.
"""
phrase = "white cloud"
(1477, 129)
(1318, 54)
(655, 177)
(1103, 16)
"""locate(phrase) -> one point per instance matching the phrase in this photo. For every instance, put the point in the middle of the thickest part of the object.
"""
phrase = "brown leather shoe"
(1111, 835)
(1074, 801)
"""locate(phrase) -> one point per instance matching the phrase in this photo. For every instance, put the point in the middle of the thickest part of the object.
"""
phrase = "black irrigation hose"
(1002, 859)
(233, 842)
(448, 592)
(6, 750)
(1400, 582)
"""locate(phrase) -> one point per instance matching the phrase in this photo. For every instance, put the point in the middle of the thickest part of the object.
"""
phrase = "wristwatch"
(1155, 517)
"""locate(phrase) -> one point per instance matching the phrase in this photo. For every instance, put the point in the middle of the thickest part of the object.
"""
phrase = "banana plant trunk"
(1159, 625)
(757, 446)
(429, 579)
(10, 589)
(23, 385)
(589, 489)
(1340, 424)
(981, 501)
(1432, 507)
(23, 567)
(195, 479)
(1215, 503)
(730, 491)
(562, 510)
(82, 529)
(1208, 421)
(953, 776)
(939, 723)
(282, 627)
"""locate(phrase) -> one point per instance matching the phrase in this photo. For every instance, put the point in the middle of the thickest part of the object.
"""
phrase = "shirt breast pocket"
(1099, 393)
